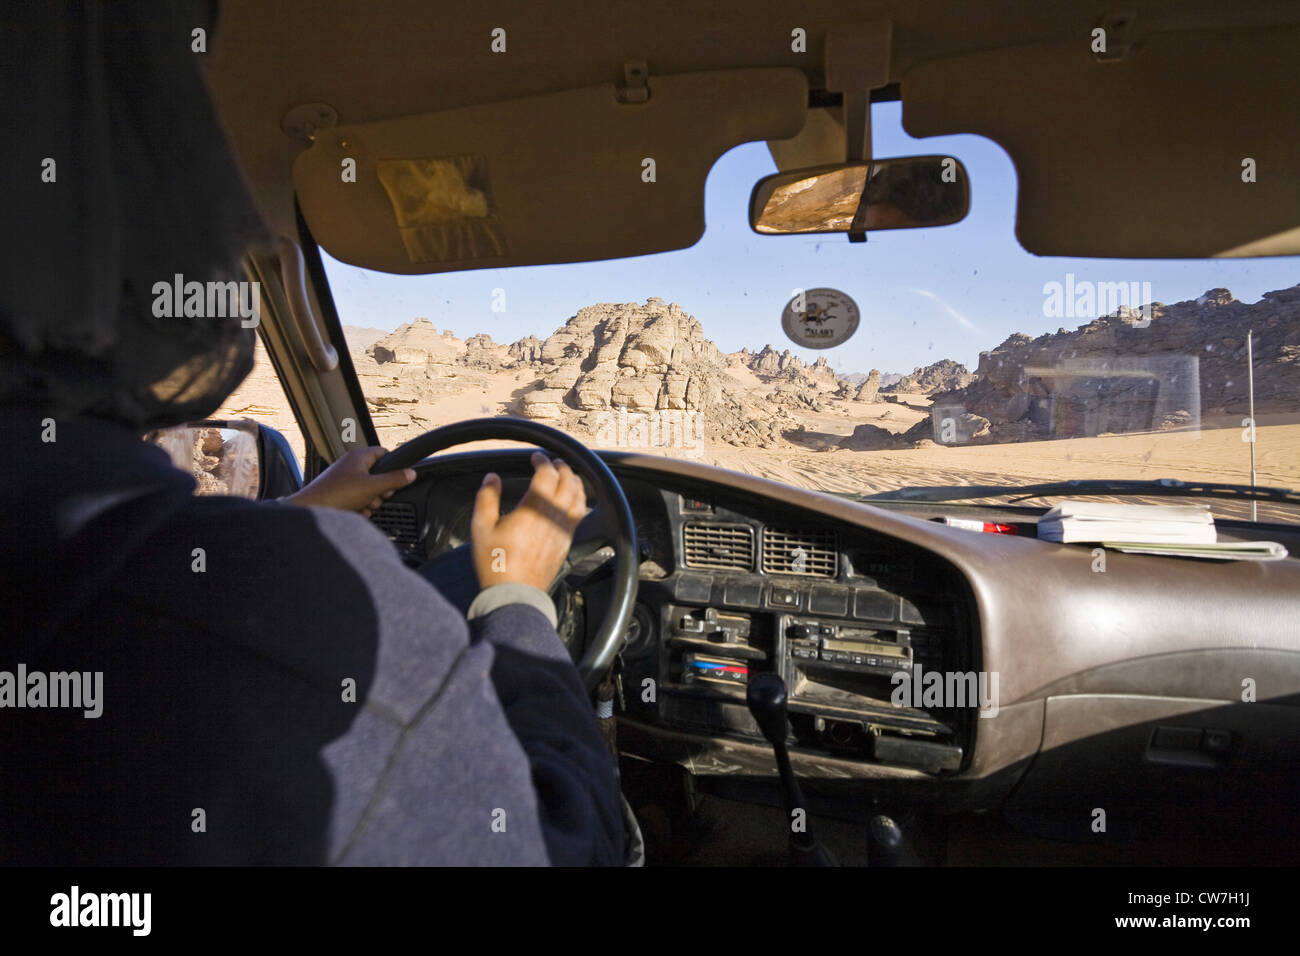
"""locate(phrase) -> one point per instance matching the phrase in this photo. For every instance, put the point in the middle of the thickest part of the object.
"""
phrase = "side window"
(262, 398)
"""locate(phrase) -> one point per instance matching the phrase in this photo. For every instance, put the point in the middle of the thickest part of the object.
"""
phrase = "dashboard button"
(873, 605)
(739, 594)
(783, 597)
(693, 587)
(829, 601)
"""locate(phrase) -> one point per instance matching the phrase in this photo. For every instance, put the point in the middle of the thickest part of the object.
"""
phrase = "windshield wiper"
(1089, 487)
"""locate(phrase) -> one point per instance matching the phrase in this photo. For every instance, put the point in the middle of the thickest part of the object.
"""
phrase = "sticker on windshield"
(820, 318)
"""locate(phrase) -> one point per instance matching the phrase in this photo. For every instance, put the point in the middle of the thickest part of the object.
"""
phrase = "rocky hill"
(648, 360)
(643, 358)
(417, 343)
(482, 352)
(420, 344)
(773, 366)
(942, 376)
(886, 378)
(1122, 373)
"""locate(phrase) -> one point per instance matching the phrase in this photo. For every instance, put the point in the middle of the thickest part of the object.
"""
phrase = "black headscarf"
(145, 188)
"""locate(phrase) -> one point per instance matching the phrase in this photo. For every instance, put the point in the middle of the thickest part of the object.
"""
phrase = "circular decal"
(820, 318)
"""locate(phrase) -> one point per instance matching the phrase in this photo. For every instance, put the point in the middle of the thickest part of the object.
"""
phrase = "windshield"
(972, 362)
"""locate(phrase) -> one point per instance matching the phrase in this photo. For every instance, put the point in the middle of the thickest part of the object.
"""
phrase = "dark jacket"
(229, 634)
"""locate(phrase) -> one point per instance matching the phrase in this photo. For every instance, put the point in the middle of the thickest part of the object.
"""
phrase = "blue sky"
(924, 294)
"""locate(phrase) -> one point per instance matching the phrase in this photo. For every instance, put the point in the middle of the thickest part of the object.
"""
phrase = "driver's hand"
(530, 544)
(349, 486)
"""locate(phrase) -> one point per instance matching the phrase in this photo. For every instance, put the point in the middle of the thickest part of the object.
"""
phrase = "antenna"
(1250, 387)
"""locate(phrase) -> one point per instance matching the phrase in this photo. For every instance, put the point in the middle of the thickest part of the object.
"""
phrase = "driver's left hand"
(349, 486)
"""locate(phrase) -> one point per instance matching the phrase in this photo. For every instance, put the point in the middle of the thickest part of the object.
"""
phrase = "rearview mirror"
(906, 193)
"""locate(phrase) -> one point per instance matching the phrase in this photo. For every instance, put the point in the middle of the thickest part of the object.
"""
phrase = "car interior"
(752, 637)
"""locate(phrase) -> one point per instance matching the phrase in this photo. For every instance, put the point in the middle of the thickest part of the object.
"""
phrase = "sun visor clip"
(636, 80)
(304, 122)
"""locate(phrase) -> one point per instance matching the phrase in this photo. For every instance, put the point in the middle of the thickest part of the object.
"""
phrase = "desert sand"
(809, 458)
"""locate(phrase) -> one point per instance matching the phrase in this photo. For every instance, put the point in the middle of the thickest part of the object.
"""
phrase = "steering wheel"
(616, 527)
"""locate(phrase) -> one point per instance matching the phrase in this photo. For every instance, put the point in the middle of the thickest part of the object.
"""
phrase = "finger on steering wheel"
(569, 495)
(545, 475)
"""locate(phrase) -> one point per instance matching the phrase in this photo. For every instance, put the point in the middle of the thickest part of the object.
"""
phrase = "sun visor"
(1110, 155)
(565, 177)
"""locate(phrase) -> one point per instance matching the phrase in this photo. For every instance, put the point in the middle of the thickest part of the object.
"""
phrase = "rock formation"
(417, 343)
(1123, 373)
(482, 352)
(650, 357)
(775, 367)
(525, 351)
(870, 388)
(942, 376)
(871, 438)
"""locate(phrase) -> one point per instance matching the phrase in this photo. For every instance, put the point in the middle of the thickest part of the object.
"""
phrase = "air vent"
(397, 520)
(718, 546)
(811, 553)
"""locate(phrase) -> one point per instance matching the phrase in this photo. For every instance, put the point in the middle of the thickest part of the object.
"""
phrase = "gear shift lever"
(767, 703)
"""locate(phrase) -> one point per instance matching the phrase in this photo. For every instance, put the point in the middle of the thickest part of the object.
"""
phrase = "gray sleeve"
(430, 771)
(466, 749)
(512, 592)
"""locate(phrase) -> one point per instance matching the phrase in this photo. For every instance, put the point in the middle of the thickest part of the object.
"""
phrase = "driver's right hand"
(530, 544)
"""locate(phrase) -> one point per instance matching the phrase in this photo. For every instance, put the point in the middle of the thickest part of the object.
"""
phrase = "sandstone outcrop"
(941, 376)
(1133, 372)
(870, 388)
(417, 343)
(647, 358)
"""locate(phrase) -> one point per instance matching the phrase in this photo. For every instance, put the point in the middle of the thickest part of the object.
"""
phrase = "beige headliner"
(1137, 158)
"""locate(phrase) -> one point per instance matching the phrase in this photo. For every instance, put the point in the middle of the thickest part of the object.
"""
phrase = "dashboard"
(846, 619)
(852, 622)
(963, 669)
